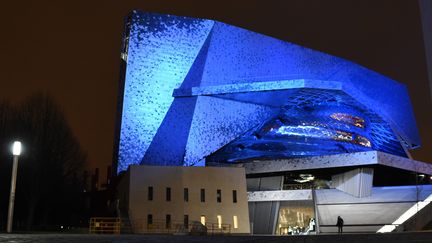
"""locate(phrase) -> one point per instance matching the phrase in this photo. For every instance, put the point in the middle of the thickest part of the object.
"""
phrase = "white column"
(357, 182)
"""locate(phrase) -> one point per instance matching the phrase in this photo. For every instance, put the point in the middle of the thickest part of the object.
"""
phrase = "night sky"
(71, 49)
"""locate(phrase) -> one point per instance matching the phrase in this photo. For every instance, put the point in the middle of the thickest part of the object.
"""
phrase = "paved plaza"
(417, 237)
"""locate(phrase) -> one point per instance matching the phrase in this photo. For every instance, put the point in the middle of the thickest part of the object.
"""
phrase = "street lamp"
(16, 151)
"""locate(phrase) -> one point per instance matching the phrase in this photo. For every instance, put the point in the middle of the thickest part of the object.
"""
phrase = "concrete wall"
(280, 195)
(123, 196)
(263, 211)
(357, 182)
(193, 178)
(265, 183)
(263, 217)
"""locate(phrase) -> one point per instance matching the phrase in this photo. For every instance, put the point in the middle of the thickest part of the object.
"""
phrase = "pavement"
(406, 237)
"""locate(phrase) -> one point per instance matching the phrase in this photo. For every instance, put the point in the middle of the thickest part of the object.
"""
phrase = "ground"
(412, 237)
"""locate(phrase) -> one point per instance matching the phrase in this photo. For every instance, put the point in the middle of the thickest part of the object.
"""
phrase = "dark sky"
(71, 49)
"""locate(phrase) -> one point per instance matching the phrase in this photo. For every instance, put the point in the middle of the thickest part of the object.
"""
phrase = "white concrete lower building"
(173, 199)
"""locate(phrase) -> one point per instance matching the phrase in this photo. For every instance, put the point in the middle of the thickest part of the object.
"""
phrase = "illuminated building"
(199, 92)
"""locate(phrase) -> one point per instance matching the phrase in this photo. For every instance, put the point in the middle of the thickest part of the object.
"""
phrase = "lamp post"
(16, 151)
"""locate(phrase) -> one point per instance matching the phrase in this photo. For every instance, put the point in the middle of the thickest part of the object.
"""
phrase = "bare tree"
(47, 190)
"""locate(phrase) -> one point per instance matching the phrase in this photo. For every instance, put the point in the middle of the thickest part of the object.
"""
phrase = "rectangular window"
(219, 221)
(168, 194)
(186, 221)
(186, 194)
(203, 220)
(150, 193)
(202, 195)
(234, 196)
(168, 221)
(149, 220)
(219, 196)
(235, 222)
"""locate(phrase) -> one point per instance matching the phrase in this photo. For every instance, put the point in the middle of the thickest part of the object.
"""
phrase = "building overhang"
(280, 195)
(359, 159)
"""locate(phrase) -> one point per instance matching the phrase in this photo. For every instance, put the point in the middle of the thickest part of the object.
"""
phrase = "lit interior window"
(349, 137)
(235, 222)
(303, 130)
(343, 136)
(363, 141)
(219, 221)
(203, 220)
(353, 120)
(305, 178)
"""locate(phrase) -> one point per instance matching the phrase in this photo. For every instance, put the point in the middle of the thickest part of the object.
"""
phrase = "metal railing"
(178, 227)
(104, 225)
(298, 186)
(351, 228)
(216, 229)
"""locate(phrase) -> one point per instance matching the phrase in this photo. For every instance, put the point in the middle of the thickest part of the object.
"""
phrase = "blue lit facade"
(198, 91)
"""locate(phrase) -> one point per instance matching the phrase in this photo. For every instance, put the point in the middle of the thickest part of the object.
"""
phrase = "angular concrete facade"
(196, 91)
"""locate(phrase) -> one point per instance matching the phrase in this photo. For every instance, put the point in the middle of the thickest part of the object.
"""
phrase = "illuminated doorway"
(295, 217)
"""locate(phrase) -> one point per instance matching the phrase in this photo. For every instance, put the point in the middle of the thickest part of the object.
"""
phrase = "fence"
(178, 227)
(356, 228)
(104, 225)
(215, 229)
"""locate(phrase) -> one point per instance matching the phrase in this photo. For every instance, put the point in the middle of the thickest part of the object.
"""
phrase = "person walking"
(340, 224)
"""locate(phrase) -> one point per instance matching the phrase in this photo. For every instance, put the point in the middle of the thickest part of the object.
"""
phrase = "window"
(149, 220)
(219, 195)
(186, 194)
(168, 194)
(150, 193)
(235, 222)
(234, 196)
(202, 195)
(203, 220)
(186, 221)
(219, 221)
(168, 221)
(350, 119)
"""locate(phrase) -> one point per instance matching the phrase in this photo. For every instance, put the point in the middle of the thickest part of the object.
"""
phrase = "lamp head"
(16, 148)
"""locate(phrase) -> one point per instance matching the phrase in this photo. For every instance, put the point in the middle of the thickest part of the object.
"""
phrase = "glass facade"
(311, 123)
(294, 217)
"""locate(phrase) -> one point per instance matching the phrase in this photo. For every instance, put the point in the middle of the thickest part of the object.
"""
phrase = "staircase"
(416, 218)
